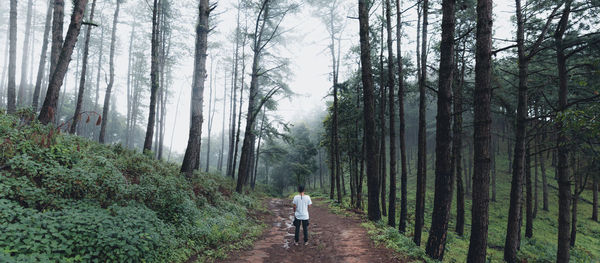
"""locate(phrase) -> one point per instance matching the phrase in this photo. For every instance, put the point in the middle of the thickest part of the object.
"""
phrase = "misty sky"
(306, 47)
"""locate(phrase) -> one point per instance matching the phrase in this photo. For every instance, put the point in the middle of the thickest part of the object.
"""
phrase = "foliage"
(64, 198)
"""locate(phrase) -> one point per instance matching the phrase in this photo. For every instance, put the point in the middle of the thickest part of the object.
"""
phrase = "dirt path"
(332, 238)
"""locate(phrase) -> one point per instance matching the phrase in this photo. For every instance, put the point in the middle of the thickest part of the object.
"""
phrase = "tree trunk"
(457, 149)
(535, 182)
(24, 84)
(444, 179)
(12, 59)
(576, 185)
(80, 93)
(156, 10)
(99, 69)
(493, 160)
(57, 76)
(129, 91)
(422, 140)
(320, 171)
(210, 113)
(57, 32)
(230, 155)
(192, 151)
(369, 112)
(529, 197)
(564, 183)
(222, 151)
(111, 81)
(544, 182)
(482, 123)
(402, 128)
(595, 200)
(392, 117)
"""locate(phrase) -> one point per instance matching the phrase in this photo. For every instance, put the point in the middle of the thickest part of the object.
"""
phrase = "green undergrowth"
(67, 199)
(540, 248)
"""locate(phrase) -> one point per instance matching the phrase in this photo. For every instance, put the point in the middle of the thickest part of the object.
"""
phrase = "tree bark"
(12, 59)
(544, 182)
(234, 85)
(369, 112)
(436, 243)
(210, 113)
(57, 76)
(422, 138)
(154, 79)
(564, 183)
(595, 200)
(222, 151)
(529, 197)
(80, 93)
(457, 150)
(482, 123)
(24, 84)
(392, 116)
(192, 152)
(111, 81)
(402, 128)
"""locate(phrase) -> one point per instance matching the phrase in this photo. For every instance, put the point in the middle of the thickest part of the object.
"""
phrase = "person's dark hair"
(301, 188)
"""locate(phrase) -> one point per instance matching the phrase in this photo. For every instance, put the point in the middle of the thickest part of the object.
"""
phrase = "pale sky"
(306, 50)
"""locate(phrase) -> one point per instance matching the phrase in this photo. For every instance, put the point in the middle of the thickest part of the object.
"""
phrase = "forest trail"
(332, 238)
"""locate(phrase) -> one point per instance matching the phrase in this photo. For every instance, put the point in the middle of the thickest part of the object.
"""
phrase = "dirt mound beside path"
(332, 238)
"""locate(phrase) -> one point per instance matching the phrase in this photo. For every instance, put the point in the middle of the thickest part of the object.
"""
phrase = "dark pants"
(304, 229)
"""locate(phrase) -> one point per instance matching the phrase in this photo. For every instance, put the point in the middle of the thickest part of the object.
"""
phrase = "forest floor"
(332, 238)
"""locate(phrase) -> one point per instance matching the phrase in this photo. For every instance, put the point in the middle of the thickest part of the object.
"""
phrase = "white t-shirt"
(302, 203)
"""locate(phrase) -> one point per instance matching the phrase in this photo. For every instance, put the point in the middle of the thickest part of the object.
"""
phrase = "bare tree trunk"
(577, 188)
(111, 81)
(154, 79)
(535, 181)
(24, 84)
(99, 69)
(422, 140)
(457, 149)
(369, 112)
(564, 183)
(192, 151)
(529, 196)
(80, 94)
(320, 171)
(544, 182)
(222, 151)
(481, 139)
(12, 60)
(402, 130)
(57, 76)
(230, 153)
(210, 112)
(392, 117)
(4, 69)
(444, 177)
(129, 91)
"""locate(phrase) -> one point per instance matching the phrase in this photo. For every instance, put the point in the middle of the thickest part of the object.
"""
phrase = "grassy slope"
(65, 198)
(540, 248)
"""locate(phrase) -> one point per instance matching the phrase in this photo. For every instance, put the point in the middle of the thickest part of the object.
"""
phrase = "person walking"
(301, 204)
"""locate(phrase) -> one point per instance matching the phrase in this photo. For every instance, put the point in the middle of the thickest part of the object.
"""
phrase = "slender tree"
(84, 62)
(482, 122)
(57, 76)
(562, 169)
(392, 115)
(12, 59)
(444, 179)
(422, 137)
(192, 152)
(111, 80)
(154, 79)
(402, 128)
(369, 113)
(43, 57)
(24, 84)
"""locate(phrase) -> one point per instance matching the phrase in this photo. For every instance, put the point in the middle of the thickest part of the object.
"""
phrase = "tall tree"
(402, 128)
(444, 179)
(80, 93)
(422, 137)
(12, 58)
(369, 112)
(192, 152)
(111, 80)
(58, 15)
(234, 88)
(392, 115)
(57, 76)
(518, 164)
(457, 130)
(154, 77)
(43, 57)
(564, 183)
(482, 122)
(25, 57)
